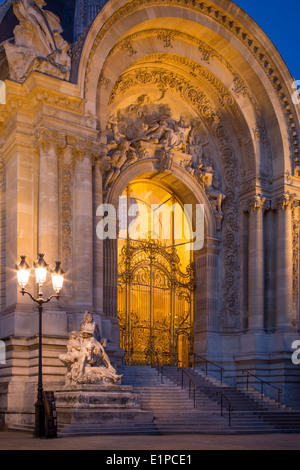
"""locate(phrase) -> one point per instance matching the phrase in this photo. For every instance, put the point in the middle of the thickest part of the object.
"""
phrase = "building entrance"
(156, 280)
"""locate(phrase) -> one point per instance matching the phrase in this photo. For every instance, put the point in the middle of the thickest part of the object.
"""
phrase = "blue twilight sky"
(280, 21)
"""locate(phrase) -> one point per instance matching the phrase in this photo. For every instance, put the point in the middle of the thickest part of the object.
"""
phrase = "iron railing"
(230, 408)
(262, 383)
(207, 363)
(191, 383)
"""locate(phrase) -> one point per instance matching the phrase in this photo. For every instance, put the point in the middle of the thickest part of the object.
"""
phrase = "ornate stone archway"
(66, 147)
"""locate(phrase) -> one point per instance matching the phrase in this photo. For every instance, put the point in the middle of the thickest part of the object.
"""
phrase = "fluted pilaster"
(255, 207)
(284, 273)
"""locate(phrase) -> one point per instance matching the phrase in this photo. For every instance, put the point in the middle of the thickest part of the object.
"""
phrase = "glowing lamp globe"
(41, 268)
(23, 272)
(57, 277)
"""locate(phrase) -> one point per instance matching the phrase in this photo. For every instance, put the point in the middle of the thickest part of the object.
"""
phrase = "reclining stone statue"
(86, 359)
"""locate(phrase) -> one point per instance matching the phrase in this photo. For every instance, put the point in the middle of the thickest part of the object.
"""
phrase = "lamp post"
(23, 273)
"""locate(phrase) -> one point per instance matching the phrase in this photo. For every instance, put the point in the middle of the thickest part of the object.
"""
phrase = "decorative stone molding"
(2, 174)
(32, 104)
(208, 53)
(127, 46)
(167, 37)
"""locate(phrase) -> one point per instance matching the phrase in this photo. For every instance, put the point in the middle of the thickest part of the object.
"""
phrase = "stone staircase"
(172, 410)
(251, 413)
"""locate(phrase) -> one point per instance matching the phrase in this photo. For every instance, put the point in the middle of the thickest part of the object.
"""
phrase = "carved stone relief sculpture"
(86, 359)
(38, 42)
(149, 123)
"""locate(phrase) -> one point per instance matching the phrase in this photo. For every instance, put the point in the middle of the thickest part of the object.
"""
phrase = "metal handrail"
(160, 370)
(230, 408)
(206, 365)
(263, 382)
(190, 382)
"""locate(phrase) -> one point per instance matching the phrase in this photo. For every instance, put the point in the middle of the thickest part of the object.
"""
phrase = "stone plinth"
(99, 404)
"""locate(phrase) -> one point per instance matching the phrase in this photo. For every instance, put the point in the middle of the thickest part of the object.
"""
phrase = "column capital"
(255, 203)
(45, 139)
(86, 149)
(285, 201)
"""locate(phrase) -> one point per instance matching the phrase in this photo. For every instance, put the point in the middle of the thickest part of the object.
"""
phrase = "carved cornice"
(33, 102)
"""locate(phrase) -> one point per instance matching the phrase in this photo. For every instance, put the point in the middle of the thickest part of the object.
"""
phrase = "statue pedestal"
(85, 406)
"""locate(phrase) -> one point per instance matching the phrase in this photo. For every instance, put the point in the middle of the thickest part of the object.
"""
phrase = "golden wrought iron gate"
(155, 304)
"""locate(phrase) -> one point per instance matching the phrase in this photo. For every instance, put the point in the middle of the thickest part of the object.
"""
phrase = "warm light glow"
(40, 275)
(23, 272)
(40, 270)
(57, 278)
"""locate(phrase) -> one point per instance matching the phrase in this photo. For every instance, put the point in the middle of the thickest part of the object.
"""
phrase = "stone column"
(284, 272)
(65, 149)
(207, 296)
(48, 217)
(83, 226)
(98, 244)
(256, 207)
(48, 240)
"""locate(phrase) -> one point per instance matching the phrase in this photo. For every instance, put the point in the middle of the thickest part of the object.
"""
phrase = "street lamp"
(23, 273)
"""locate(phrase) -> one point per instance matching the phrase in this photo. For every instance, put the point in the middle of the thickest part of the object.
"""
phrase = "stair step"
(173, 408)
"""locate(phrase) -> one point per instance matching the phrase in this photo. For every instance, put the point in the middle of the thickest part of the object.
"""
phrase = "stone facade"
(62, 135)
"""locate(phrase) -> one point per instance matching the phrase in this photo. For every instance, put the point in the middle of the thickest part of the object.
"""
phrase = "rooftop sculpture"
(38, 43)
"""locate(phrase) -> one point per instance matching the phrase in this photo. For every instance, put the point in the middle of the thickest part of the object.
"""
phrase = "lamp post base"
(39, 431)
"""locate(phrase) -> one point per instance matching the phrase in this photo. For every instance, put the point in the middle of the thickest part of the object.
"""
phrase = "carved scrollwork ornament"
(2, 174)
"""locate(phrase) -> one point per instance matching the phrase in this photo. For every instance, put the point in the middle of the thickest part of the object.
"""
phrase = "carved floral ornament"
(237, 29)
